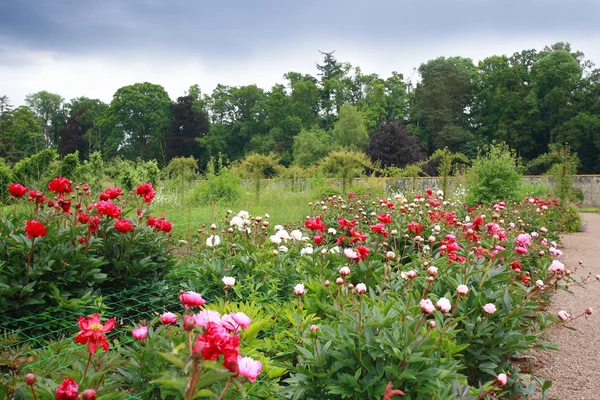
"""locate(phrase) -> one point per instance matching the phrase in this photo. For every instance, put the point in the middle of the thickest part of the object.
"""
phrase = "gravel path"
(575, 368)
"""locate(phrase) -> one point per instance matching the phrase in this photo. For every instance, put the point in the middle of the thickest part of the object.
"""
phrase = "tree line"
(530, 100)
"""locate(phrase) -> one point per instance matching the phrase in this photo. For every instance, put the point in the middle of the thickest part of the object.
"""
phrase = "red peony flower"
(318, 239)
(357, 236)
(146, 191)
(216, 341)
(37, 196)
(345, 224)
(415, 228)
(34, 229)
(65, 204)
(111, 193)
(363, 252)
(67, 390)
(379, 228)
(17, 190)
(385, 218)
(83, 218)
(92, 332)
(123, 225)
(108, 208)
(315, 224)
(94, 224)
(60, 185)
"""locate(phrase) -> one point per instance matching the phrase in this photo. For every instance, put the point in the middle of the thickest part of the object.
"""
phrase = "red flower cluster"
(92, 332)
(108, 208)
(160, 224)
(216, 341)
(437, 215)
(65, 204)
(315, 224)
(67, 390)
(34, 229)
(123, 225)
(37, 196)
(111, 193)
(60, 185)
(415, 228)
(146, 191)
(17, 190)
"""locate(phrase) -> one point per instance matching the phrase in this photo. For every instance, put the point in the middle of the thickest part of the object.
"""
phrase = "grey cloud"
(240, 27)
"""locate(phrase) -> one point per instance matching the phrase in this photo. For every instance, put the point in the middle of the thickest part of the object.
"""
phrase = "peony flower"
(146, 191)
(489, 308)
(296, 234)
(306, 251)
(275, 239)
(34, 229)
(241, 319)
(390, 255)
(213, 240)
(191, 299)
(108, 208)
(351, 254)
(345, 271)
(539, 283)
(523, 240)
(589, 311)
(563, 315)
(361, 288)
(92, 332)
(123, 225)
(67, 390)
(140, 332)
(299, 290)
(88, 394)
(314, 328)
(444, 305)
(205, 316)
(60, 185)
(521, 250)
(249, 368)
(168, 318)
(228, 281)
(432, 271)
(556, 266)
(283, 249)
(427, 306)
(229, 323)
(462, 289)
(17, 190)
(501, 379)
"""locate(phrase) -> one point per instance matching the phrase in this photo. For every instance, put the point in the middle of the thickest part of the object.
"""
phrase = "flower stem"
(87, 366)
(225, 388)
(33, 392)
(29, 261)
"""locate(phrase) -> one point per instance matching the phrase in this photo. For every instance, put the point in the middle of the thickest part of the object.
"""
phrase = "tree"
(76, 135)
(345, 165)
(137, 119)
(442, 98)
(49, 107)
(310, 146)
(182, 169)
(23, 134)
(392, 145)
(349, 131)
(259, 166)
(189, 122)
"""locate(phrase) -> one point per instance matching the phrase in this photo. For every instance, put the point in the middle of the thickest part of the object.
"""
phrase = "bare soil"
(575, 368)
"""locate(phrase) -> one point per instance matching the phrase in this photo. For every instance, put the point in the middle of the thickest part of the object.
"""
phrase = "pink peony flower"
(462, 289)
(521, 250)
(444, 305)
(427, 306)
(345, 271)
(249, 368)
(489, 308)
(563, 315)
(205, 316)
(432, 271)
(241, 319)
(351, 254)
(228, 323)
(168, 318)
(523, 240)
(314, 328)
(140, 332)
(361, 288)
(191, 299)
(501, 379)
(556, 266)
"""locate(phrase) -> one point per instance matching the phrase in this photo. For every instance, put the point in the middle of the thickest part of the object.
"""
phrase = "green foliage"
(562, 165)
(445, 160)
(69, 166)
(493, 176)
(345, 165)
(219, 187)
(310, 146)
(6, 177)
(349, 132)
(183, 170)
(258, 166)
(31, 171)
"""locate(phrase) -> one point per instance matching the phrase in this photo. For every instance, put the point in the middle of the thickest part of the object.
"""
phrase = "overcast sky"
(91, 48)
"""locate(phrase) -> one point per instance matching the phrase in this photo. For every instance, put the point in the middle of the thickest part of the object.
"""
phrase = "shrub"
(32, 170)
(220, 187)
(494, 176)
(6, 177)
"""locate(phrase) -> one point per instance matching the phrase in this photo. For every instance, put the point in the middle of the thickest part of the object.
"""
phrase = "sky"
(92, 48)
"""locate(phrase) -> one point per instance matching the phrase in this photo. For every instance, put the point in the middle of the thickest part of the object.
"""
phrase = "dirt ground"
(575, 368)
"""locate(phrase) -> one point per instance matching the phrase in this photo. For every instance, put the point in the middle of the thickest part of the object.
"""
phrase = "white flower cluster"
(241, 221)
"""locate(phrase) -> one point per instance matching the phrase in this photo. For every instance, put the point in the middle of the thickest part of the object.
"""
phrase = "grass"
(590, 210)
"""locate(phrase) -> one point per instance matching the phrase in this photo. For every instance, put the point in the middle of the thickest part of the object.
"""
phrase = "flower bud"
(89, 394)
(188, 322)
(589, 311)
(350, 286)
(314, 328)
(30, 379)
(432, 324)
